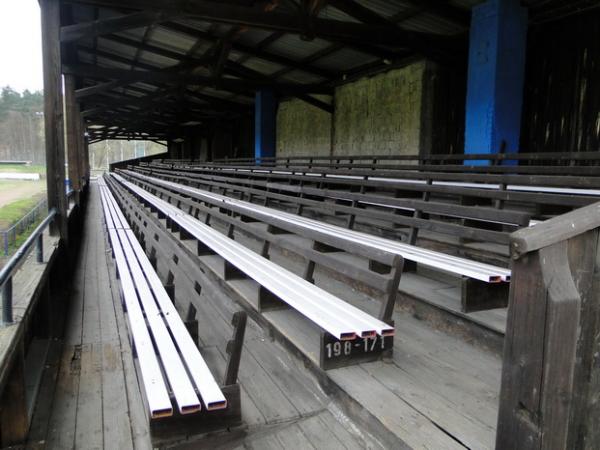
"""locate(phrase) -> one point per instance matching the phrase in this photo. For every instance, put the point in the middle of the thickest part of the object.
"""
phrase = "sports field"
(17, 198)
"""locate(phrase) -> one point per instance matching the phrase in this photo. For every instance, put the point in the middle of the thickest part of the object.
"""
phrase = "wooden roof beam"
(236, 15)
(159, 76)
(71, 33)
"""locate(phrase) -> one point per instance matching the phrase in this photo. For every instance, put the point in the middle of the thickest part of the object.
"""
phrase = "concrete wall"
(385, 114)
(380, 115)
(303, 129)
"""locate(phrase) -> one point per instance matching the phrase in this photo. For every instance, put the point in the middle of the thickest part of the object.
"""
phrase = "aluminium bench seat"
(459, 266)
(170, 364)
(567, 191)
(337, 317)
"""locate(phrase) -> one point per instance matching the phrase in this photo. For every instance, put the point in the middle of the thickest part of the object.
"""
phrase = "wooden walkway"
(90, 397)
(85, 401)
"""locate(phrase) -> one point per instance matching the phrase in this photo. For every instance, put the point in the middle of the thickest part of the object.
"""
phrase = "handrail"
(554, 230)
(14, 263)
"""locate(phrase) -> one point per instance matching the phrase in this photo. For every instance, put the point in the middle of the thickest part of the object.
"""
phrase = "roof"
(152, 67)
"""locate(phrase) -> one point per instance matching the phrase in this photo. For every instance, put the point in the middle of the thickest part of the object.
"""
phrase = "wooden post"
(14, 420)
(82, 149)
(53, 115)
(551, 370)
(73, 123)
(86, 151)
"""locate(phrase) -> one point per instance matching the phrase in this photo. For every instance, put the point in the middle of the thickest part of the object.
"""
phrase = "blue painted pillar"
(495, 77)
(265, 116)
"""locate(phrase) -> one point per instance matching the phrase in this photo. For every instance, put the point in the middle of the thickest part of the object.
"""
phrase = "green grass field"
(12, 212)
(23, 169)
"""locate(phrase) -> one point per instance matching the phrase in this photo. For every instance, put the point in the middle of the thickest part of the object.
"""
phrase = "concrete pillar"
(265, 121)
(495, 77)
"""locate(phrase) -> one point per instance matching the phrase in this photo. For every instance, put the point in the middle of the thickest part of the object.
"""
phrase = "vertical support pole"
(7, 306)
(53, 115)
(265, 116)
(81, 146)
(86, 151)
(72, 122)
(39, 251)
(495, 78)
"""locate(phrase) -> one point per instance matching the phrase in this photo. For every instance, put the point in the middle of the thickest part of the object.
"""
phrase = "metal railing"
(14, 263)
(9, 236)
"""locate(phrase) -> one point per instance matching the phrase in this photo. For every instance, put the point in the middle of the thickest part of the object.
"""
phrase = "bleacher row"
(367, 223)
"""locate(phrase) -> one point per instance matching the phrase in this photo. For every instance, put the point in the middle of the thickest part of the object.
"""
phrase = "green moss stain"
(303, 129)
(380, 115)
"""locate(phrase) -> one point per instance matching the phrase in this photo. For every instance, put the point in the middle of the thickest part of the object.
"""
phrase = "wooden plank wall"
(562, 93)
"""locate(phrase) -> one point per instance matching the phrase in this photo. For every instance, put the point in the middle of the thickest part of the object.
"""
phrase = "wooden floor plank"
(409, 425)
(293, 437)
(61, 430)
(318, 435)
(89, 426)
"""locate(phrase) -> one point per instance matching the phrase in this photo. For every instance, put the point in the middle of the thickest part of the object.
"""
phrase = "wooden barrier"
(551, 372)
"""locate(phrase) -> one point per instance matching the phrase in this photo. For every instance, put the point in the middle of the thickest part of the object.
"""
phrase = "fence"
(9, 236)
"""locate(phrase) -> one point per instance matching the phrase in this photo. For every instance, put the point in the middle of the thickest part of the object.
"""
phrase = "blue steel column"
(495, 77)
(265, 116)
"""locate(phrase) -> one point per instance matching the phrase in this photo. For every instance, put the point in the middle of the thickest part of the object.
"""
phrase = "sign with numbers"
(336, 353)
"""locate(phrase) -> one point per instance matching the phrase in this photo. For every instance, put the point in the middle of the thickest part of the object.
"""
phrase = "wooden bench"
(483, 286)
(437, 216)
(564, 159)
(171, 368)
(547, 184)
(340, 321)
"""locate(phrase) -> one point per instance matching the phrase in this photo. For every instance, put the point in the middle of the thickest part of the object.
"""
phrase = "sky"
(20, 45)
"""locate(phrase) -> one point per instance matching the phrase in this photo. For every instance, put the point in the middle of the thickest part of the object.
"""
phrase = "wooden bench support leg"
(409, 266)
(267, 301)
(14, 420)
(309, 271)
(386, 312)
(191, 323)
(478, 295)
(234, 348)
(184, 235)
(204, 249)
(264, 251)
(230, 272)
(170, 290)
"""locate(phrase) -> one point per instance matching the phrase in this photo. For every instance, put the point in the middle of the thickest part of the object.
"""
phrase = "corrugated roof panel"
(109, 63)
(262, 66)
(385, 8)
(253, 36)
(126, 51)
(197, 24)
(133, 33)
(431, 23)
(291, 46)
(171, 40)
(299, 76)
(156, 60)
(344, 59)
(329, 12)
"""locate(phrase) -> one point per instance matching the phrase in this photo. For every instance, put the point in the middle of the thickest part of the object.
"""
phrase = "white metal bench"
(337, 317)
(160, 338)
(455, 265)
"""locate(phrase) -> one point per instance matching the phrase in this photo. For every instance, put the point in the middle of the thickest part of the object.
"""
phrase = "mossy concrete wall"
(386, 114)
(303, 129)
(380, 115)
